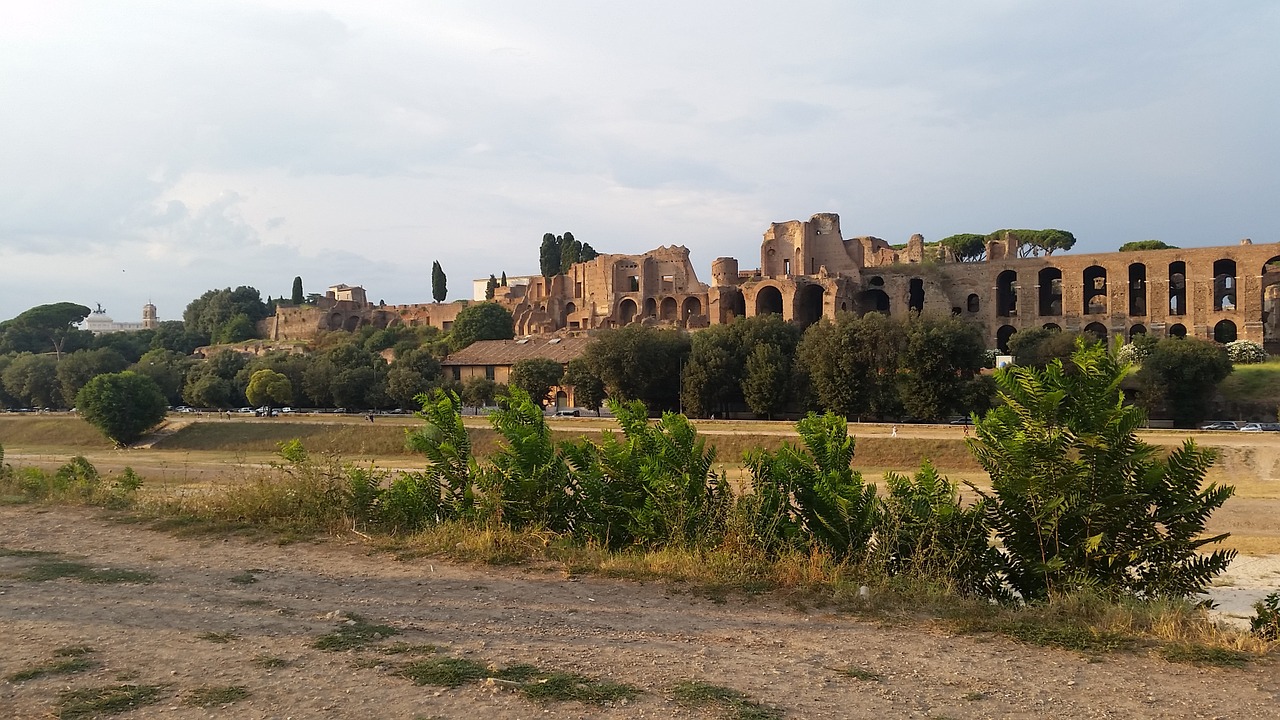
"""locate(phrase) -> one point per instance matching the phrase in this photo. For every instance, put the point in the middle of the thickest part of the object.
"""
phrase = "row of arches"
(1223, 332)
(667, 309)
(1094, 297)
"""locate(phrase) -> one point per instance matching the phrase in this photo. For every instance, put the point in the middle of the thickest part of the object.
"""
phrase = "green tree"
(1078, 501)
(549, 256)
(298, 297)
(78, 368)
(1137, 245)
(940, 360)
(268, 388)
(207, 314)
(32, 381)
(1038, 347)
(482, 321)
(122, 405)
(852, 364)
(588, 390)
(167, 369)
(174, 335)
(491, 288)
(238, 329)
(44, 328)
(767, 380)
(1034, 242)
(536, 376)
(130, 345)
(966, 247)
(640, 363)
(439, 283)
(478, 392)
(1184, 373)
(210, 384)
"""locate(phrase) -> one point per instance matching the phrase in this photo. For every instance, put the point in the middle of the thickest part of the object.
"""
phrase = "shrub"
(445, 487)
(1078, 501)
(810, 495)
(527, 483)
(1266, 620)
(925, 531)
(122, 405)
(1245, 352)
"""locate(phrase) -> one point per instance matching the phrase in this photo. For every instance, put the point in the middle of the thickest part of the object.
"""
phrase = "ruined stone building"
(808, 270)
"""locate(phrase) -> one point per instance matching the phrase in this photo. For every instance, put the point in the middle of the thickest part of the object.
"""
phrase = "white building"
(478, 287)
(100, 323)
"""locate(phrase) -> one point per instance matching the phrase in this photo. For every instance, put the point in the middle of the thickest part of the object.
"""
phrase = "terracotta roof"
(510, 352)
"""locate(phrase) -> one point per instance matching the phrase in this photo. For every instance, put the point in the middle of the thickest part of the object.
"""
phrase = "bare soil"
(269, 601)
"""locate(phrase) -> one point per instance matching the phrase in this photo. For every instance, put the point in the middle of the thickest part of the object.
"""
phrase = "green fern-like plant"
(811, 494)
(446, 486)
(1078, 501)
(527, 483)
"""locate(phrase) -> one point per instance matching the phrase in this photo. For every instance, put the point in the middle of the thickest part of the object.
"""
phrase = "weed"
(698, 694)
(1265, 622)
(972, 696)
(73, 651)
(58, 667)
(1198, 654)
(858, 673)
(211, 696)
(355, 633)
(107, 700)
(445, 672)
(11, 552)
(49, 569)
(563, 686)
(520, 673)
(270, 662)
(403, 648)
(244, 578)
(218, 637)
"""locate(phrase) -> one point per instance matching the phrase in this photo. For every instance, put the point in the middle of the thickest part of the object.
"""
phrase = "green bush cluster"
(1077, 502)
(76, 481)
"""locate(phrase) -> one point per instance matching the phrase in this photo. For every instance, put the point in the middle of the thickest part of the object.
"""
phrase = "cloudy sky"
(154, 150)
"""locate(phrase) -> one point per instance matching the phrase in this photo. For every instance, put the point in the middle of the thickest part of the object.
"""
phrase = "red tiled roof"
(510, 352)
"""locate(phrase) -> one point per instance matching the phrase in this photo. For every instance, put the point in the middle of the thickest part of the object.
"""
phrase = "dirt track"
(647, 635)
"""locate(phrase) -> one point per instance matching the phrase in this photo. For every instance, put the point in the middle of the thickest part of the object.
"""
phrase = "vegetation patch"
(533, 682)
(212, 696)
(270, 662)
(65, 666)
(49, 567)
(857, 673)
(106, 700)
(355, 633)
(1201, 654)
(220, 638)
(734, 704)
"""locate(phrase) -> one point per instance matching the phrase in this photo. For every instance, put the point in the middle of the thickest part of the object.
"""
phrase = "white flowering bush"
(1245, 352)
(1127, 354)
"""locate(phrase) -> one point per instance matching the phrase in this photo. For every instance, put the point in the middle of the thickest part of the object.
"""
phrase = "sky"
(150, 151)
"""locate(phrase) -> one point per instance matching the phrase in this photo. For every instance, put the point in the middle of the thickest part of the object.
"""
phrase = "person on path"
(894, 433)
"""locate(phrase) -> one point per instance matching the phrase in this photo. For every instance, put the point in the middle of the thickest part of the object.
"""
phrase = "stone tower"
(149, 317)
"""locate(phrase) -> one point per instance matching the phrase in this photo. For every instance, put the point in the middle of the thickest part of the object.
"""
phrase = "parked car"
(1251, 427)
(1221, 425)
(568, 412)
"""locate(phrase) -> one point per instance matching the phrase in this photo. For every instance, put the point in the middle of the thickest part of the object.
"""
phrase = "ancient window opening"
(627, 311)
(1002, 337)
(668, 311)
(786, 267)
(489, 373)
(1178, 291)
(1007, 294)
(915, 295)
(769, 301)
(1137, 330)
(1224, 284)
(809, 305)
(1096, 329)
(1224, 332)
(974, 303)
(1177, 330)
(1052, 327)
(1138, 289)
(1095, 290)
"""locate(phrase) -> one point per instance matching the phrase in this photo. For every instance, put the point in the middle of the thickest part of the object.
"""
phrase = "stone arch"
(1050, 281)
(1138, 289)
(650, 307)
(733, 305)
(1052, 327)
(1095, 290)
(569, 309)
(769, 301)
(335, 321)
(1007, 294)
(1097, 330)
(1002, 337)
(1137, 330)
(627, 311)
(1177, 330)
(1178, 290)
(915, 295)
(667, 310)
(809, 302)
(973, 303)
(1224, 284)
(874, 300)
(692, 307)
(1224, 332)
(352, 323)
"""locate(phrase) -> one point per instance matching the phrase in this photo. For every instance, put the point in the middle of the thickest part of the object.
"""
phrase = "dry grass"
(50, 431)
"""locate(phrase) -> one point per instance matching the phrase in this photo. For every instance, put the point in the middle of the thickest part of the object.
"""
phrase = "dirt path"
(647, 635)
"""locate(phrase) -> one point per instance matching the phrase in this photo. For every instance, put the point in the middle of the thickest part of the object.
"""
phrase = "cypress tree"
(549, 256)
(491, 288)
(438, 282)
(504, 279)
(298, 298)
